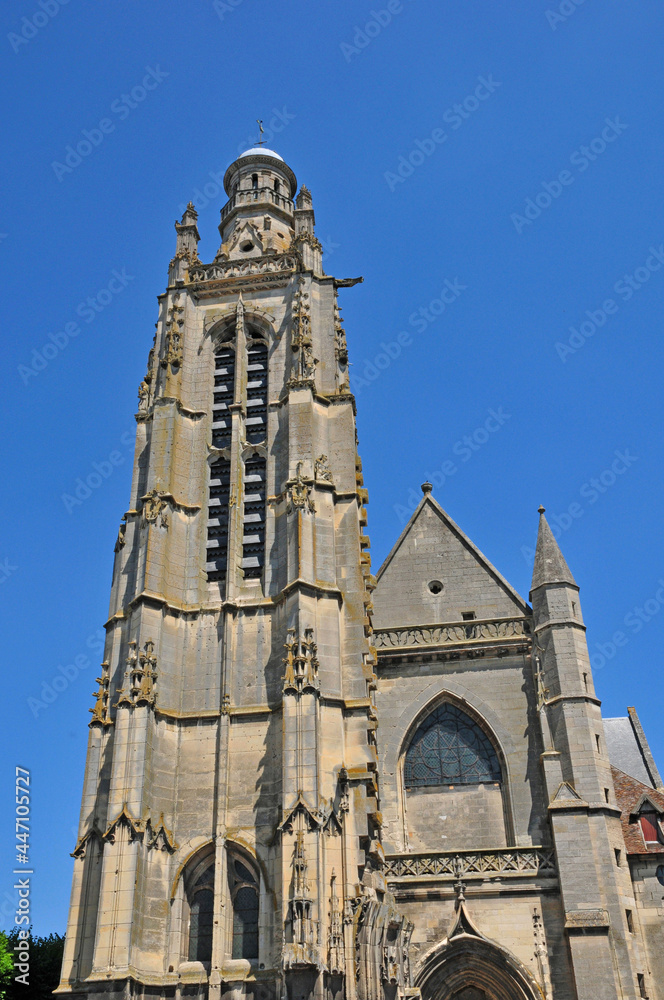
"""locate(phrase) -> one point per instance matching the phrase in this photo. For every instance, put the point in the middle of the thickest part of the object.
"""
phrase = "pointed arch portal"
(469, 968)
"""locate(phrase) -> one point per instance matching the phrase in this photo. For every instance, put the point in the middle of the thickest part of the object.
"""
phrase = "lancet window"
(235, 369)
(201, 911)
(224, 387)
(449, 748)
(217, 526)
(256, 391)
(239, 929)
(243, 888)
(253, 521)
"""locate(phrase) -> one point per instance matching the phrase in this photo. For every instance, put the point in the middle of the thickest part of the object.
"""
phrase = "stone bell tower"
(230, 830)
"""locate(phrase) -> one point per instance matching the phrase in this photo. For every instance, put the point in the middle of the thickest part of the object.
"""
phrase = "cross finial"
(261, 140)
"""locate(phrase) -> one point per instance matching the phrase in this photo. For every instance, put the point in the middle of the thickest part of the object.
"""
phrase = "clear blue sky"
(497, 206)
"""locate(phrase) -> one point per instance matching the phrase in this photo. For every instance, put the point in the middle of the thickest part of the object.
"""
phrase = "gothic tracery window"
(449, 748)
(243, 887)
(201, 912)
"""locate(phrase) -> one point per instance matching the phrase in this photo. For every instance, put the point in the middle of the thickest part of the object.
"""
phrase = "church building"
(307, 782)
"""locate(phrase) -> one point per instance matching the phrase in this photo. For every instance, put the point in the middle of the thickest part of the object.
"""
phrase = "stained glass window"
(448, 748)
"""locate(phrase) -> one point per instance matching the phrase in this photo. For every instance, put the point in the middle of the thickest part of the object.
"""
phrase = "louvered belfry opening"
(217, 527)
(253, 521)
(256, 392)
(224, 380)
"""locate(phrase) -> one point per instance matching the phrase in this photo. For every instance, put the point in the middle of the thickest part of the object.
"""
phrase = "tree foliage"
(45, 961)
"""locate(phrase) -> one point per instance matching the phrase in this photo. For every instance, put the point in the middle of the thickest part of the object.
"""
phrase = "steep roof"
(629, 750)
(630, 795)
(433, 550)
(550, 565)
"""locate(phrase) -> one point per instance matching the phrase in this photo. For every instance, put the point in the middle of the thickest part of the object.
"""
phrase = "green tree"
(6, 965)
(45, 962)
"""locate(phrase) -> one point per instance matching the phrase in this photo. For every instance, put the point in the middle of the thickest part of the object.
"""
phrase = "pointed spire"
(550, 565)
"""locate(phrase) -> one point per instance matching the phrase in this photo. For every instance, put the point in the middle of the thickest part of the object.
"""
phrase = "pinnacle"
(427, 488)
(550, 565)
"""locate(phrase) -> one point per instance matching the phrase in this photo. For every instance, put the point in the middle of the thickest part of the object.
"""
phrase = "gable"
(432, 549)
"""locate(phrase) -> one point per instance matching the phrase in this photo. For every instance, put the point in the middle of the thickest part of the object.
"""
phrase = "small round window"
(435, 587)
(247, 247)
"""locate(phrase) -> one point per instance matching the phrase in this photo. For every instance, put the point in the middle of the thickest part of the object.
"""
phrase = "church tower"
(248, 830)
(230, 830)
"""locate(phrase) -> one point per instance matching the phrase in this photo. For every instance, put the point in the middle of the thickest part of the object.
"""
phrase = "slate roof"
(550, 565)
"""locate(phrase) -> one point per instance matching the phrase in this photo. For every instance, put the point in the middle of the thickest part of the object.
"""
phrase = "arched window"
(200, 895)
(248, 371)
(243, 888)
(448, 748)
(254, 181)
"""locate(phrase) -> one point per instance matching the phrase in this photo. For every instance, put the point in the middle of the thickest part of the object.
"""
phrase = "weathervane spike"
(261, 140)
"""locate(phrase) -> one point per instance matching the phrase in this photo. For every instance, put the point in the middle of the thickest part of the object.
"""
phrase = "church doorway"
(470, 968)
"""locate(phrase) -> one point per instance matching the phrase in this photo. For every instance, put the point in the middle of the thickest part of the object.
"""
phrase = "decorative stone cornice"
(511, 634)
(507, 862)
(223, 270)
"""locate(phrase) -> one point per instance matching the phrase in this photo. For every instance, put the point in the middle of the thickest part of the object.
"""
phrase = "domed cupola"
(260, 189)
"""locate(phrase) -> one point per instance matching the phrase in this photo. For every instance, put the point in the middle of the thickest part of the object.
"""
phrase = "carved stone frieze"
(224, 269)
(507, 862)
(452, 633)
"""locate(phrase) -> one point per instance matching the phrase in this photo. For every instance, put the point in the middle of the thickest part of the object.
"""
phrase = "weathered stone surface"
(247, 831)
